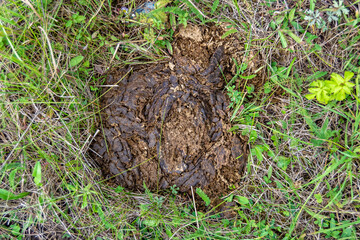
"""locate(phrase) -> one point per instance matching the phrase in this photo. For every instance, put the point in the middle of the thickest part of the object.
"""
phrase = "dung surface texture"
(168, 124)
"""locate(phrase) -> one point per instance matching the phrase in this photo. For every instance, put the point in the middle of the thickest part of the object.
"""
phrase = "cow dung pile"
(168, 124)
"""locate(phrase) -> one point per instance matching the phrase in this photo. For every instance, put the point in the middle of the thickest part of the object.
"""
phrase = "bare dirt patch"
(168, 123)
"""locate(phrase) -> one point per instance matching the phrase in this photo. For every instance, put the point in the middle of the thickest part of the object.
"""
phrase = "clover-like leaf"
(340, 87)
(348, 75)
(320, 90)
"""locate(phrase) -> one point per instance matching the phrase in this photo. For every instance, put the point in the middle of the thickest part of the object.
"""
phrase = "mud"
(168, 124)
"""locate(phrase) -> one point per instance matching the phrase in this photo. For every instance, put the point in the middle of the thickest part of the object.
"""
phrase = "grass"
(302, 178)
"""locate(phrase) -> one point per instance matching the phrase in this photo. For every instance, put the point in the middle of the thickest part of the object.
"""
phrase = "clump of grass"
(302, 177)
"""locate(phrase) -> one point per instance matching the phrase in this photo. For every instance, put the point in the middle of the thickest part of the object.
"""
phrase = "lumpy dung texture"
(167, 124)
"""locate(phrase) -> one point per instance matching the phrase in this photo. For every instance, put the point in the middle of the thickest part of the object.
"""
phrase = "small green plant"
(336, 12)
(333, 14)
(203, 196)
(75, 18)
(174, 189)
(337, 88)
(314, 18)
(339, 8)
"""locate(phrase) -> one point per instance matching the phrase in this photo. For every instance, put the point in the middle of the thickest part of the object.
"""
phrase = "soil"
(168, 123)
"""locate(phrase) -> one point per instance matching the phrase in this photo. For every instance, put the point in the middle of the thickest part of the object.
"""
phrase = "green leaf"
(68, 23)
(283, 162)
(270, 172)
(227, 33)
(12, 179)
(85, 202)
(169, 47)
(310, 96)
(37, 173)
(151, 223)
(292, 14)
(312, 5)
(79, 19)
(341, 87)
(279, 20)
(321, 90)
(267, 88)
(282, 39)
(318, 198)
(162, 3)
(9, 21)
(242, 200)
(214, 6)
(316, 75)
(6, 195)
(336, 78)
(76, 60)
(253, 136)
(258, 150)
(248, 77)
(348, 75)
(203, 196)
(293, 36)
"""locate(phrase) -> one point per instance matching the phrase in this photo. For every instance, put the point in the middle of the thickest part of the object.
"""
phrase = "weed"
(337, 88)
(314, 18)
(174, 189)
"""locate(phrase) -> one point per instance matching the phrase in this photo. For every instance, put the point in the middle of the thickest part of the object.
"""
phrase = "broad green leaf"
(293, 36)
(282, 39)
(292, 14)
(348, 75)
(318, 198)
(172, 21)
(279, 20)
(37, 173)
(79, 19)
(227, 33)
(258, 152)
(169, 47)
(203, 196)
(68, 23)
(76, 60)
(6, 195)
(310, 96)
(10, 166)
(341, 87)
(321, 91)
(312, 5)
(339, 93)
(337, 78)
(229, 198)
(9, 21)
(253, 136)
(214, 6)
(283, 162)
(242, 200)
